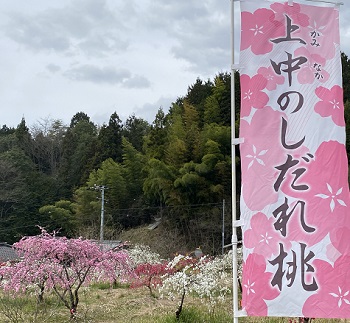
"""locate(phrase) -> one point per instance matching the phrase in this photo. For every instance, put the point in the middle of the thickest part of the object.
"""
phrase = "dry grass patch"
(123, 305)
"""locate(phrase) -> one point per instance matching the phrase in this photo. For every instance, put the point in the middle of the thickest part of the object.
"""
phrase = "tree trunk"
(305, 320)
(179, 310)
(72, 313)
(41, 294)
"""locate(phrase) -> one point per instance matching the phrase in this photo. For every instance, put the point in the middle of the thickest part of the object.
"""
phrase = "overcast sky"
(61, 57)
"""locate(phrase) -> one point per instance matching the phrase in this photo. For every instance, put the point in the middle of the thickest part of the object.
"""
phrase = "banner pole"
(233, 174)
(330, 2)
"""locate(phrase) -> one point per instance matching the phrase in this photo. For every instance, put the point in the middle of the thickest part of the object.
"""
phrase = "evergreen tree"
(109, 142)
(197, 94)
(59, 217)
(24, 140)
(135, 130)
(155, 141)
(23, 190)
(5, 130)
(345, 61)
(79, 146)
(347, 125)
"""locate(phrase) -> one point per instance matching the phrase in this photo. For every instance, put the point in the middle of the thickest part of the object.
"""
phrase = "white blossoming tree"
(201, 277)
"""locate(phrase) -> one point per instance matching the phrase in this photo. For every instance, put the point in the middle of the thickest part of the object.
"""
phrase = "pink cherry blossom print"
(331, 104)
(252, 95)
(322, 33)
(256, 286)
(340, 238)
(257, 30)
(332, 252)
(313, 70)
(272, 78)
(260, 153)
(293, 12)
(332, 299)
(262, 237)
(326, 200)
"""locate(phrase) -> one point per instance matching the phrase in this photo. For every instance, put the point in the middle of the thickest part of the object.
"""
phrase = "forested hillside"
(178, 168)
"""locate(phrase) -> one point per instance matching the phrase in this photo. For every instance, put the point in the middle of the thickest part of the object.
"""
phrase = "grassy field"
(101, 304)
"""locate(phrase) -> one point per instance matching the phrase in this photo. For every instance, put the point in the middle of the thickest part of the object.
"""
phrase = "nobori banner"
(295, 193)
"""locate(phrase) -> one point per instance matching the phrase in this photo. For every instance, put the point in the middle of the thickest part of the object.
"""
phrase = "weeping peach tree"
(62, 265)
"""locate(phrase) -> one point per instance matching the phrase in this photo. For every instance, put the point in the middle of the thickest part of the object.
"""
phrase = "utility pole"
(223, 228)
(102, 212)
(102, 189)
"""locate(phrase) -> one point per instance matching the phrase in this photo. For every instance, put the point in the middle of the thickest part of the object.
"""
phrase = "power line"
(171, 206)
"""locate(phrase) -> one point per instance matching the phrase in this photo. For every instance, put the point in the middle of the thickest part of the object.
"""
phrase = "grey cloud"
(35, 34)
(101, 118)
(149, 110)
(207, 61)
(99, 46)
(108, 75)
(137, 81)
(53, 68)
(100, 28)
(98, 74)
(344, 16)
(165, 14)
(201, 31)
(205, 47)
(81, 25)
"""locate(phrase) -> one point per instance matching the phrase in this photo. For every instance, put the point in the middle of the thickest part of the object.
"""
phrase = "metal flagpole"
(233, 172)
(325, 1)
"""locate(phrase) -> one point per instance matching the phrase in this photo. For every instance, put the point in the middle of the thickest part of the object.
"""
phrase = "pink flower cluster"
(62, 265)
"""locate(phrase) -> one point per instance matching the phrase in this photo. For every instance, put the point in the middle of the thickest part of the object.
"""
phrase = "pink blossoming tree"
(149, 275)
(62, 265)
